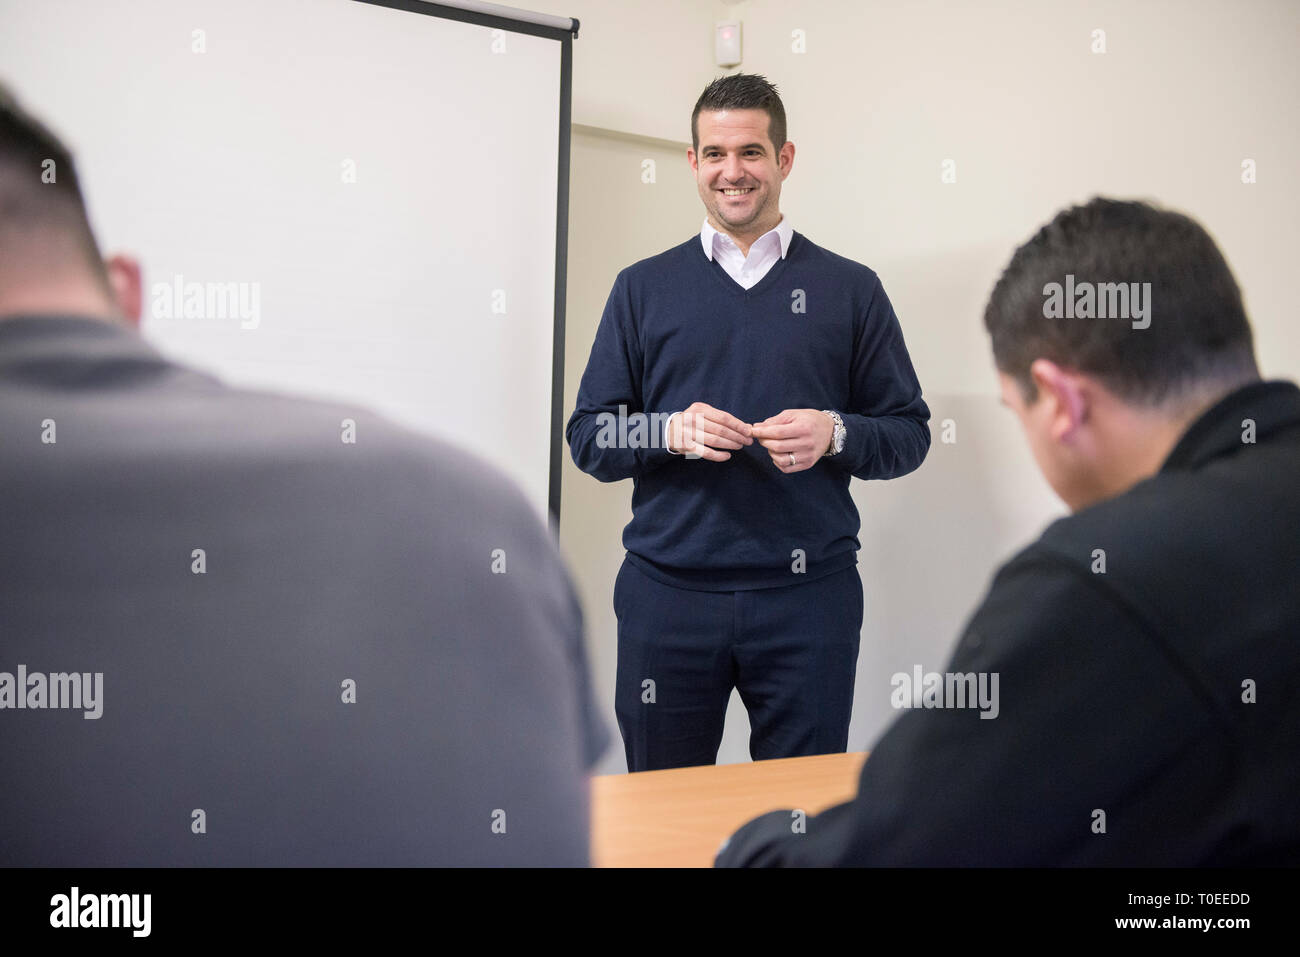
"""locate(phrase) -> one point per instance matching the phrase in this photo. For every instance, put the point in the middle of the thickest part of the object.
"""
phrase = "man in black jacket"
(1128, 692)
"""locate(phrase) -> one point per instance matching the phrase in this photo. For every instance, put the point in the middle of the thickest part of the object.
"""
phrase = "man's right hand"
(702, 430)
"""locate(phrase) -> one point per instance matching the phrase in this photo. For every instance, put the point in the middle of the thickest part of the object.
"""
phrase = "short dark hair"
(742, 91)
(39, 188)
(1198, 333)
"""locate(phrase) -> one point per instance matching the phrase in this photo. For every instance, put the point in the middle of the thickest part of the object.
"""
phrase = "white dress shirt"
(746, 270)
(763, 254)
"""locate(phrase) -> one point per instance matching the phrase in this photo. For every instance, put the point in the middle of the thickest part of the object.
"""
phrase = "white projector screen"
(356, 199)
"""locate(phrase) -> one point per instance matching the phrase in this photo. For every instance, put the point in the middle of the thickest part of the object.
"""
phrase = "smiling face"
(739, 172)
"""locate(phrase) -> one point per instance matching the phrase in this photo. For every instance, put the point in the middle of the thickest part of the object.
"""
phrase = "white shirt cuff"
(668, 431)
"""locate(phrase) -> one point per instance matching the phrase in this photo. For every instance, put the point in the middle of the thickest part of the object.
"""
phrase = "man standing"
(1145, 645)
(751, 373)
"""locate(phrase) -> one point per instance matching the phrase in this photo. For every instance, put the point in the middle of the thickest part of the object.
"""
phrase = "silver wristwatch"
(837, 437)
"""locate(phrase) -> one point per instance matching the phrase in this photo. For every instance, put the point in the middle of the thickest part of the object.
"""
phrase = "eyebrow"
(748, 146)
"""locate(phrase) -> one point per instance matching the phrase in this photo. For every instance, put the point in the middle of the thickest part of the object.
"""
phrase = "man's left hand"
(804, 433)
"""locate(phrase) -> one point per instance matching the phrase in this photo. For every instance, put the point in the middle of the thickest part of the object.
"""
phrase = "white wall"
(884, 93)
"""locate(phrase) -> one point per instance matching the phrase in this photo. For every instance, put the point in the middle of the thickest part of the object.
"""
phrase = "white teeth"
(737, 192)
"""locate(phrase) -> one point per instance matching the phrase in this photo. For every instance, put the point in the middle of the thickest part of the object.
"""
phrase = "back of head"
(45, 234)
(1135, 296)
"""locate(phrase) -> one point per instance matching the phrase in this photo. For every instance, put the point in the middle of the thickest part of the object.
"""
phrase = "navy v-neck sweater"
(817, 332)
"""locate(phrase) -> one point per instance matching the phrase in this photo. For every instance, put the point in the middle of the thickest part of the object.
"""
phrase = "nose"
(733, 170)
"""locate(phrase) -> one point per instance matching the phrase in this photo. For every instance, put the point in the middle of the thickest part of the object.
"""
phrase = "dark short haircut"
(742, 91)
(1198, 333)
(39, 189)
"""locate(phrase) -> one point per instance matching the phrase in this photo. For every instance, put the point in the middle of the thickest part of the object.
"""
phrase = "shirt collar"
(56, 344)
(783, 230)
(1271, 406)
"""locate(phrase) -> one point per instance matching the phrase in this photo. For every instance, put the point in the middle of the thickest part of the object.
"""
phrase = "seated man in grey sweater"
(1144, 647)
(229, 636)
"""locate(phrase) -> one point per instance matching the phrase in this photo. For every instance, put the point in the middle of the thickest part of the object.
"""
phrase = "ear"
(692, 159)
(785, 159)
(124, 279)
(1067, 400)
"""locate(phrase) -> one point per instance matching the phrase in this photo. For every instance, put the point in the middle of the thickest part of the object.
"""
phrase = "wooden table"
(679, 818)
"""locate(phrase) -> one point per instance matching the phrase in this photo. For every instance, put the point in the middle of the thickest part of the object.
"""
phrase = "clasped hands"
(708, 432)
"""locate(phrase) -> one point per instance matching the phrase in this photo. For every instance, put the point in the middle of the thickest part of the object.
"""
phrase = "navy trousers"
(791, 652)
